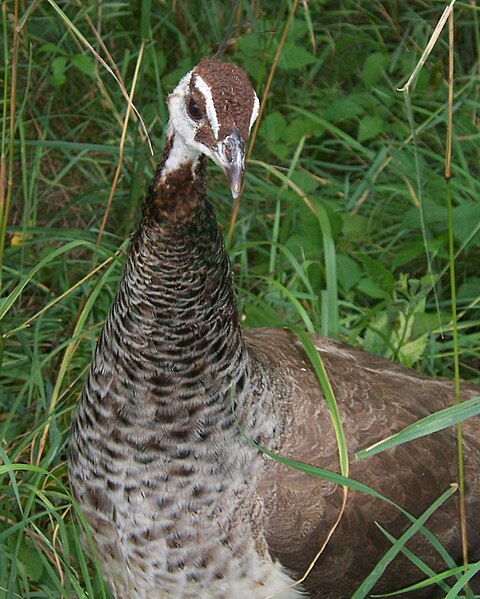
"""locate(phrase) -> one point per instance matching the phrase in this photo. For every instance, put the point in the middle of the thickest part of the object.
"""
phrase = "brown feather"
(179, 504)
(376, 398)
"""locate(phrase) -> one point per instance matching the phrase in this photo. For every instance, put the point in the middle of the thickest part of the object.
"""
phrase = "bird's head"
(213, 109)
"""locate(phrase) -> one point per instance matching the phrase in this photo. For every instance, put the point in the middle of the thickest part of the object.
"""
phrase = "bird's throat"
(178, 186)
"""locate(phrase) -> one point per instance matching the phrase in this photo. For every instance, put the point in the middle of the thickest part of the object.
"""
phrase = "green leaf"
(370, 289)
(412, 351)
(377, 335)
(356, 228)
(297, 128)
(51, 48)
(280, 149)
(30, 561)
(304, 246)
(433, 212)
(342, 109)
(466, 224)
(348, 272)
(469, 290)
(369, 127)
(409, 251)
(58, 68)
(84, 63)
(295, 57)
(378, 274)
(426, 323)
(306, 182)
(298, 29)
(374, 68)
(273, 127)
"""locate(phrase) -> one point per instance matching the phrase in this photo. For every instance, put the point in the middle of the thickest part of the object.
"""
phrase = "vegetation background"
(343, 226)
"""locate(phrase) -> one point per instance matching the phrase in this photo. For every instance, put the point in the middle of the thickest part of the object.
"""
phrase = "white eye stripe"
(203, 88)
(255, 109)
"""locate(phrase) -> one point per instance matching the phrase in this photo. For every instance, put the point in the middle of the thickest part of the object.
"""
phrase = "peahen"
(179, 502)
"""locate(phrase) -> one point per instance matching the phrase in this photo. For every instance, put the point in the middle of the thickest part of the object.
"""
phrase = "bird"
(164, 460)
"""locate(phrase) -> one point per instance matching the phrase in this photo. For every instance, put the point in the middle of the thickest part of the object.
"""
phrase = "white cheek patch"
(179, 155)
(181, 129)
(255, 109)
(203, 88)
(176, 107)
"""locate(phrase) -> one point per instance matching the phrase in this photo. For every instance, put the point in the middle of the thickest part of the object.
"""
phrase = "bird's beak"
(230, 156)
(235, 173)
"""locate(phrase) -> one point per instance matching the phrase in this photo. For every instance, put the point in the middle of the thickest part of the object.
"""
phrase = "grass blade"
(426, 426)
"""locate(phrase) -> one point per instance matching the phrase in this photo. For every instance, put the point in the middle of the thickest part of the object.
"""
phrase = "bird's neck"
(178, 187)
(177, 291)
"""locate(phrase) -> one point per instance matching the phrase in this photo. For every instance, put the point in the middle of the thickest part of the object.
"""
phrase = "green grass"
(329, 235)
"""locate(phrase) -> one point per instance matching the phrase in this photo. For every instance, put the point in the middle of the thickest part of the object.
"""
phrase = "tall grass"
(328, 235)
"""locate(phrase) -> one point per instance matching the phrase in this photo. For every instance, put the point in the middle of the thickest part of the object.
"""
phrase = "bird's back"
(375, 398)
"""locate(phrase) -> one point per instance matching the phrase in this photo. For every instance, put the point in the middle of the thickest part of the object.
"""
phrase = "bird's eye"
(194, 110)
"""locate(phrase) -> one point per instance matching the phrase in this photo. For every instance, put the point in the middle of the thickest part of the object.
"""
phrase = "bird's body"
(179, 503)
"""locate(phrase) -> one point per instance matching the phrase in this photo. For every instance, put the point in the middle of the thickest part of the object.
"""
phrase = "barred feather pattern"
(158, 463)
(179, 504)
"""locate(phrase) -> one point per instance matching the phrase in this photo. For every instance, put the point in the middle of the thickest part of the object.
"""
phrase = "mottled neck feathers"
(176, 194)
